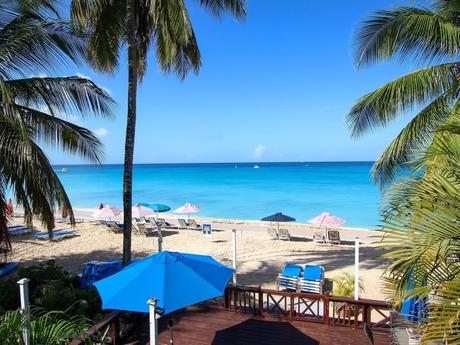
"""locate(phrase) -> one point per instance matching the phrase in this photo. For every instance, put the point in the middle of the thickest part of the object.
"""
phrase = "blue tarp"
(95, 270)
(178, 280)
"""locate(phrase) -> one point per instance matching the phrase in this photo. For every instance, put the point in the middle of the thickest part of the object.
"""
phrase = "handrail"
(309, 307)
(109, 319)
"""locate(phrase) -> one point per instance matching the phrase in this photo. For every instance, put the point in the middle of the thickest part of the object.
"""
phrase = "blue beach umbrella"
(278, 217)
(158, 208)
(177, 280)
(414, 308)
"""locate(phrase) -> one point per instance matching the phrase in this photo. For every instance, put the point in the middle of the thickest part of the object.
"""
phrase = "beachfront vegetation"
(427, 36)
(344, 285)
(420, 218)
(35, 108)
(163, 25)
(51, 328)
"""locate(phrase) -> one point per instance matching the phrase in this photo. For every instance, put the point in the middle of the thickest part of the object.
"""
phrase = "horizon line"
(203, 163)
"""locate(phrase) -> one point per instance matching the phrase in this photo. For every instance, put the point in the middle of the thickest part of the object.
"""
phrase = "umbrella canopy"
(178, 280)
(10, 208)
(101, 206)
(156, 207)
(327, 220)
(278, 217)
(139, 211)
(187, 208)
(107, 212)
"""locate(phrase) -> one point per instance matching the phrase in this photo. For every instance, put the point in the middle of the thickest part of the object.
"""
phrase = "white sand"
(260, 259)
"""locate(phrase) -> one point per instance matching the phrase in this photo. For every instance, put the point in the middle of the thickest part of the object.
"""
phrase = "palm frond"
(411, 33)
(237, 8)
(401, 95)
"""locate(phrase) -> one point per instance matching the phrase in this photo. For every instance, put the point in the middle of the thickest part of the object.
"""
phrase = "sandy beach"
(259, 258)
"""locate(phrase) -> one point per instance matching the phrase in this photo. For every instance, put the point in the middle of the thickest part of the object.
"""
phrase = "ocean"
(246, 191)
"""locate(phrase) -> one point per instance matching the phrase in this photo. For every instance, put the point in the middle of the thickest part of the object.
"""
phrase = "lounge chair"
(192, 225)
(312, 280)
(319, 238)
(272, 233)
(145, 229)
(333, 237)
(288, 279)
(57, 235)
(284, 235)
(114, 226)
(182, 223)
(161, 223)
(19, 230)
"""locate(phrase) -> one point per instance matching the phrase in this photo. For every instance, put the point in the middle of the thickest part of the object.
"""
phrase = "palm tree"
(429, 36)
(139, 25)
(34, 40)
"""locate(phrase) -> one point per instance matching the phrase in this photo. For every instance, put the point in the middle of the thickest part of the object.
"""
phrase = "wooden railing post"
(291, 308)
(326, 309)
(114, 331)
(261, 301)
(226, 306)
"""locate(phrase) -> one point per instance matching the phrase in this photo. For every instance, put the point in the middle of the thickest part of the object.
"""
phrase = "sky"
(275, 87)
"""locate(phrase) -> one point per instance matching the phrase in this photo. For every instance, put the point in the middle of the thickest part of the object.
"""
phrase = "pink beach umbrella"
(187, 208)
(139, 211)
(327, 220)
(107, 212)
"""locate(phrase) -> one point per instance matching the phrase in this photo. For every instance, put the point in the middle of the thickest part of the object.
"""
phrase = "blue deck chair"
(416, 308)
(57, 235)
(19, 230)
(312, 280)
(288, 279)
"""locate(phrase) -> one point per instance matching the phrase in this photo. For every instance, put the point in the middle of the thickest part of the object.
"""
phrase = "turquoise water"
(236, 190)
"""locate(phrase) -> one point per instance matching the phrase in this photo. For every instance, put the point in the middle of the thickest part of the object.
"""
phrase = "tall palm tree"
(35, 41)
(141, 24)
(427, 36)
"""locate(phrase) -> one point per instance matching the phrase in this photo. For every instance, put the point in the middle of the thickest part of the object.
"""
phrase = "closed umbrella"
(107, 212)
(187, 208)
(101, 205)
(10, 208)
(278, 217)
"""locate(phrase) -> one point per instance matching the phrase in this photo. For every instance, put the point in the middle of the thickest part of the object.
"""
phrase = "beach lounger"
(113, 226)
(192, 225)
(333, 237)
(312, 280)
(161, 223)
(284, 235)
(19, 230)
(272, 233)
(319, 238)
(182, 223)
(288, 279)
(57, 235)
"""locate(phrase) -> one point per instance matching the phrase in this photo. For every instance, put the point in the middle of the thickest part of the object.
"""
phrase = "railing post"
(226, 298)
(326, 309)
(114, 331)
(261, 301)
(291, 308)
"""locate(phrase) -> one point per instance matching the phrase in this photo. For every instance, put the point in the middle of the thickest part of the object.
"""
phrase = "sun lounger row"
(309, 278)
(57, 235)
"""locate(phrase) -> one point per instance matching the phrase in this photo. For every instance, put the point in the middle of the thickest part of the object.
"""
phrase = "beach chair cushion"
(313, 273)
(20, 230)
(182, 223)
(291, 270)
(284, 234)
(57, 235)
(193, 225)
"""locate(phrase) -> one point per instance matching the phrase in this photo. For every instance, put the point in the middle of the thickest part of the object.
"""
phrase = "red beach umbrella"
(64, 213)
(10, 208)
(101, 206)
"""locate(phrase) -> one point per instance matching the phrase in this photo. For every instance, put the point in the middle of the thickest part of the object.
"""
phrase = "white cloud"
(101, 132)
(259, 151)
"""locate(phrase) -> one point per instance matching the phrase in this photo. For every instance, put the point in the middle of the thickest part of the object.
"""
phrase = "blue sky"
(275, 87)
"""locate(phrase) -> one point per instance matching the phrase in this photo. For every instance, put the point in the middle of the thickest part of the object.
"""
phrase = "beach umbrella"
(327, 220)
(139, 211)
(9, 207)
(157, 208)
(64, 213)
(167, 281)
(187, 208)
(278, 217)
(101, 206)
(107, 212)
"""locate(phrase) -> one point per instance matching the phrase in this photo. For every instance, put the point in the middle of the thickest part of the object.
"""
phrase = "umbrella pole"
(153, 321)
(171, 333)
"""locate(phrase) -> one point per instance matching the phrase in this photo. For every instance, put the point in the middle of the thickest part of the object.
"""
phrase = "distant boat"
(65, 169)
(256, 166)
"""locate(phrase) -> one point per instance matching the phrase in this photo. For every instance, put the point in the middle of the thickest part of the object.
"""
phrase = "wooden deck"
(201, 325)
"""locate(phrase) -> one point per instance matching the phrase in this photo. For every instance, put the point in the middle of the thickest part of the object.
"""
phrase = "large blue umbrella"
(414, 308)
(177, 280)
(278, 217)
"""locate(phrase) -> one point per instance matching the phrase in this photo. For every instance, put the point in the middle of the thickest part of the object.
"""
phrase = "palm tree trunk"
(130, 131)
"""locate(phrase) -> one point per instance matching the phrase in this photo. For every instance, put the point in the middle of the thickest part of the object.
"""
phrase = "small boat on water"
(256, 166)
(65, 169)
